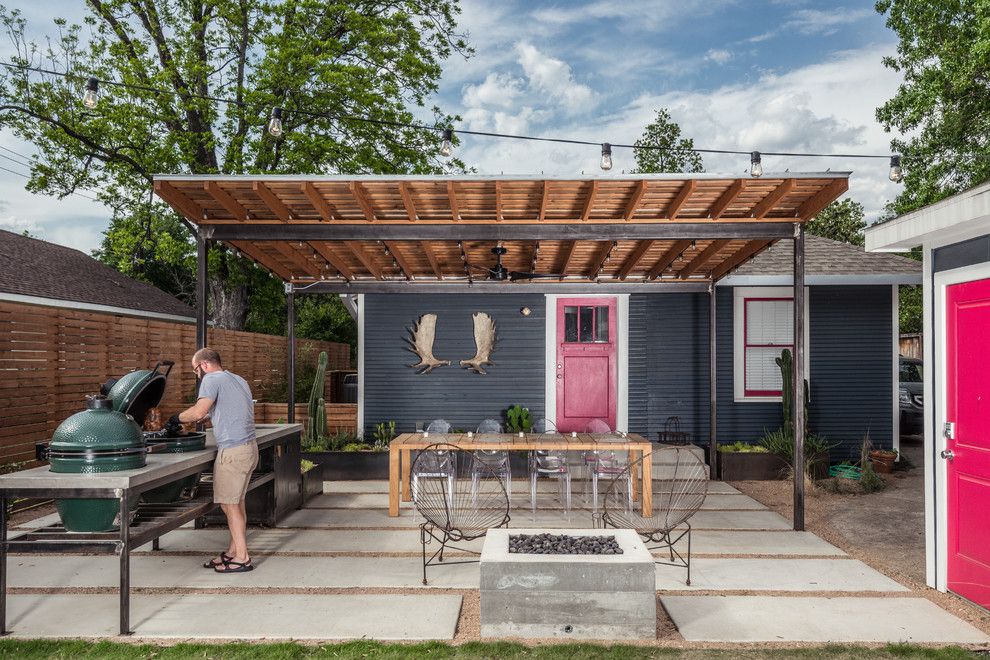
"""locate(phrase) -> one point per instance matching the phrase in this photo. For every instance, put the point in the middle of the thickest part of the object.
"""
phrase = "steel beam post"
(202, 288)
(290, 330)
(712, 387)
(798, 384)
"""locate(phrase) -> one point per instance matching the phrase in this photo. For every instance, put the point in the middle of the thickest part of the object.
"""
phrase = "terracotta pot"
(883, 463)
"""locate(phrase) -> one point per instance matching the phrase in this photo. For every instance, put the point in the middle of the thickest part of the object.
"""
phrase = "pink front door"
(586, 362)
(968, 469)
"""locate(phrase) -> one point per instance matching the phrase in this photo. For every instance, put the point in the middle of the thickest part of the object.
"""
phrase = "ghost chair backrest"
(438, 426)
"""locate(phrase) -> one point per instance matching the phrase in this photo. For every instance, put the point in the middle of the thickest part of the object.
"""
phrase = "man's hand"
(173, 426)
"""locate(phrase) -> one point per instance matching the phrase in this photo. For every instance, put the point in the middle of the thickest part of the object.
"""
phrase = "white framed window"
(763, 326)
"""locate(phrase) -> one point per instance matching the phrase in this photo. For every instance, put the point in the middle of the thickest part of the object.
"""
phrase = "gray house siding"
(850, 360)
(851, 357)
(393, 391)
(966, 253)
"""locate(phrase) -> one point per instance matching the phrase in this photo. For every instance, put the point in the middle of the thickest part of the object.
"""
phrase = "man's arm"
(198, 412)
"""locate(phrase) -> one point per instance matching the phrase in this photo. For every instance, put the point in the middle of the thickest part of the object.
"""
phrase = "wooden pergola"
(644, 233)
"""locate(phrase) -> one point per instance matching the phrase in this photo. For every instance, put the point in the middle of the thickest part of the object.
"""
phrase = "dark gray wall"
(392, 390)
(850, 360)
(957, 255)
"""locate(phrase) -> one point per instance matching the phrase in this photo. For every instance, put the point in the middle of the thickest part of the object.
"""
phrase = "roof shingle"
(32, 267)
(823, 256)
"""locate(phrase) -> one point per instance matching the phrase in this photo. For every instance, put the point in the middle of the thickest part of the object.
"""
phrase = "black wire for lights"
(435, 128)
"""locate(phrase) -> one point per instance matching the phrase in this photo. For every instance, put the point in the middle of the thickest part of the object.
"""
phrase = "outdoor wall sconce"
(525, 311)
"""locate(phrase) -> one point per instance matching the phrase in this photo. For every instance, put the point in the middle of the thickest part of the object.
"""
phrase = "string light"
(896, 173)
(447, 148)
(275, 123)
(92, 94)
(755, 165)
(275, 128)
(606, 156)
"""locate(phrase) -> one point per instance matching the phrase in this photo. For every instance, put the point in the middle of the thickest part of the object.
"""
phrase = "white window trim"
(622, 356)
(739, 295)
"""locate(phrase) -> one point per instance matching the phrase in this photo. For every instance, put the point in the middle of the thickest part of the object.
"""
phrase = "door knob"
(947, 454)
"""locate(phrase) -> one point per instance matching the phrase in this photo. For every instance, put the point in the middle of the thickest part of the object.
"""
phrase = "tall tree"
(843, 220)
(325, 63)
(943, 105)
(674, 153)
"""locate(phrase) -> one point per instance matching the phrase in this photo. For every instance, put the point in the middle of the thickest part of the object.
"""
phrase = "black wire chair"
(680, 485)
(458, 507)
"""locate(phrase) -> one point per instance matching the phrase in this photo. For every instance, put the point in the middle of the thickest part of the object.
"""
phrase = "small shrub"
(305, 466)
(332, 442)
(869, 480)
(518, 419)
(384, 434)
(357, 446)
(743, 447)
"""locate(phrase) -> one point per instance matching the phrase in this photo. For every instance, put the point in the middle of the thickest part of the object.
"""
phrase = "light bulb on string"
(447, 147)
(275, 123)
(896, 173)
(606, 156)
(92, 94)
(755, 165)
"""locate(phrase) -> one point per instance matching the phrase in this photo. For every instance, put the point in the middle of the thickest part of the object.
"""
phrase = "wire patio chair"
(459, 509)
(679, 488)
(551, 464)
(495, 459)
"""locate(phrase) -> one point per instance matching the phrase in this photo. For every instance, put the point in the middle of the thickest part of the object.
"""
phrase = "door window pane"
(587, 324)
(601, 323)
(570, 324)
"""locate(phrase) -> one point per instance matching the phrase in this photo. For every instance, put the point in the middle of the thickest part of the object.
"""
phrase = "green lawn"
(26, 650)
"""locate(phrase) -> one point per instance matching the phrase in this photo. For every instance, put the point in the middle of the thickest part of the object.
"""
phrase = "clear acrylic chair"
(496, 460)
(438, 464)
(603, 463)
(549, 463)
(678, 490)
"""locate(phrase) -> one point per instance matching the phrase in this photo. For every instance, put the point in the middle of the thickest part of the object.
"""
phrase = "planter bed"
(350, 465)
(750, 466)
(312, 483)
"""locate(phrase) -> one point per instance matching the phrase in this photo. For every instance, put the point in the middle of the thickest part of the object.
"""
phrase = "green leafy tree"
(674, 153)
(943, 104)
(843, 220)
(323, 62)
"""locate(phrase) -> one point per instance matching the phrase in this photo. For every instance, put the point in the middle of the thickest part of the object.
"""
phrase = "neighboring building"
(656, 346)
(955, 238)
(37, 272)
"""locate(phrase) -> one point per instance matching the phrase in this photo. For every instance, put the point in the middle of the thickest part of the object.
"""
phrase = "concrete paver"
(239, 616)
(776, 575)
(815, 619)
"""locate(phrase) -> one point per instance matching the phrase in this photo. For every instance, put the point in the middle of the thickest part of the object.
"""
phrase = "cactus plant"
(518, 419)
(317, 410)
(786, 364)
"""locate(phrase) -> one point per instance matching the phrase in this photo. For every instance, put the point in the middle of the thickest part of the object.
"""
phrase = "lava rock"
(562, 544)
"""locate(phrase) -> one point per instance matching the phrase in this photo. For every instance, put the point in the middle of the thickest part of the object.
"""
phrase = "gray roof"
(32, 267)
(823, 256)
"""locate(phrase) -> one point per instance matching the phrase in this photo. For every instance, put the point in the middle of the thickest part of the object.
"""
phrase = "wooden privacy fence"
(340, 416)
(52, 357)
(911, 346)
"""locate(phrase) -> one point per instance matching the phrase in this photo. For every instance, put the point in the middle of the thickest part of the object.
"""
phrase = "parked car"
(911, 396)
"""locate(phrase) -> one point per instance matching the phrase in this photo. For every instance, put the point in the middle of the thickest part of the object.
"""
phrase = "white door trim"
(622, 355)
(935, 415)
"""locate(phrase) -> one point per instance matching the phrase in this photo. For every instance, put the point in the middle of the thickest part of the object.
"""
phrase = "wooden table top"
(512, 441)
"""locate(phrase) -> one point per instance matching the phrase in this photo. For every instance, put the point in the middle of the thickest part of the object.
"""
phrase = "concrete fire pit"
(579, 596)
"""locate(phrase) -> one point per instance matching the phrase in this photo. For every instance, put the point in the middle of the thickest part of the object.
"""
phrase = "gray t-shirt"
(232, 411)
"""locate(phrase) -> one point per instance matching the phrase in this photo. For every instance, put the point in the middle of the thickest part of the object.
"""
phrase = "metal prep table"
(271, 488)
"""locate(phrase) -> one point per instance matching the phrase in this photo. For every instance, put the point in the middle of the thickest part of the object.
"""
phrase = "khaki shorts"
(232, 472)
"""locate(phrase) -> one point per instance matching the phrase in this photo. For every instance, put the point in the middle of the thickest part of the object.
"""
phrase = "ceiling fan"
(500, 273)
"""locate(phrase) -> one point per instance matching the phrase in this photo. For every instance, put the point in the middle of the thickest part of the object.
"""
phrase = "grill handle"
(168, 364)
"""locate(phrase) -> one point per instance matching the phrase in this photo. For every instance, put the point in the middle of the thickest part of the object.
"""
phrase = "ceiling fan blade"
(481, 268)
(517, 275)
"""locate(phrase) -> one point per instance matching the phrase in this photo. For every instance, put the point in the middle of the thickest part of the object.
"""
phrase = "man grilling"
(225, 398)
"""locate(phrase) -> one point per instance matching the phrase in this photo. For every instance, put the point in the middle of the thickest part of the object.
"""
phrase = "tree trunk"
(228, 306)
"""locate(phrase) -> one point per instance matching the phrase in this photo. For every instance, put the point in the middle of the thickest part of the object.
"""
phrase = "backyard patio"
(342, 568)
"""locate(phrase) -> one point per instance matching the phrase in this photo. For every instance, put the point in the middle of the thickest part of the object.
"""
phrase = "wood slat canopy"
(422, 229)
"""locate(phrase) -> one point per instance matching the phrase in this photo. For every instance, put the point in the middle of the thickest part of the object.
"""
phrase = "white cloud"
(498, 89)
(629, 14)
(818, 21)
(554, 77)
(718, 55)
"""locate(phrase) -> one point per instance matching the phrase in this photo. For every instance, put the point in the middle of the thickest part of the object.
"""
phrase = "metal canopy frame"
(714, 229)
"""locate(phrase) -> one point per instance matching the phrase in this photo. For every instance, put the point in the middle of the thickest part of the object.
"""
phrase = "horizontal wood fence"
(911, 346)
(52, 357)
(340, 416)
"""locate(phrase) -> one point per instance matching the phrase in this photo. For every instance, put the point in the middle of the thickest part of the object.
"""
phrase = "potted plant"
(742, 461)
(883, 460)
(312, 479)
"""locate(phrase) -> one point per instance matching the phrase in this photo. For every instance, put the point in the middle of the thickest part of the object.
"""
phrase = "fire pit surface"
(563, 544)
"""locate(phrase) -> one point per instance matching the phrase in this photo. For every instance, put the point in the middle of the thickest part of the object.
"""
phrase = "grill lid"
(139, 391)
(97, 428)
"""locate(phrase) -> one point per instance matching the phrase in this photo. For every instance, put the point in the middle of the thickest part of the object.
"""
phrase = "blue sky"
(776, 75)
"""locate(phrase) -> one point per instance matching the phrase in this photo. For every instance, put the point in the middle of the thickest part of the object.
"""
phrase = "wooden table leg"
(393, 481)
(647, 484)
(406, 470)
(635, 477)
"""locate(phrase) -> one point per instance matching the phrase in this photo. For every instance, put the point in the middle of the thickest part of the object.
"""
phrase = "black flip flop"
(238, 567)
(213, 563)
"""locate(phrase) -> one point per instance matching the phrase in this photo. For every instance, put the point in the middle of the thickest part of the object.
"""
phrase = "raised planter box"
(751, 466)
(312, 483)
(568, 596)
(350, 465)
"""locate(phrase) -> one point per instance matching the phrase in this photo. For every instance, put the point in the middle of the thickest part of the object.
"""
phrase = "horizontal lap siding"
(850, 360)
(393, 390)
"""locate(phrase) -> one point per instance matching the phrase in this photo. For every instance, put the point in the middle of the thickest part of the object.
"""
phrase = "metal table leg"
(3, 565)
(125, 564)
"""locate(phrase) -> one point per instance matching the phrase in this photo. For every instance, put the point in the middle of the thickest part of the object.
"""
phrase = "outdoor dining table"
(401, 448)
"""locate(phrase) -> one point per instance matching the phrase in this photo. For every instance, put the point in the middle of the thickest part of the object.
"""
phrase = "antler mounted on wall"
(420, 341)
(484, 340)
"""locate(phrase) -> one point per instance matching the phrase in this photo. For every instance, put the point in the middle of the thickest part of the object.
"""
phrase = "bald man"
(226, 399)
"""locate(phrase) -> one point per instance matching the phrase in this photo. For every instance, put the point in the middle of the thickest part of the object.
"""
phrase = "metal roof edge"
(494, 177)
(823, 280)
(92, 307)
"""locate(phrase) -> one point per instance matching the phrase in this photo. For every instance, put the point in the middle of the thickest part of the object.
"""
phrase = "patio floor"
(342, 569)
